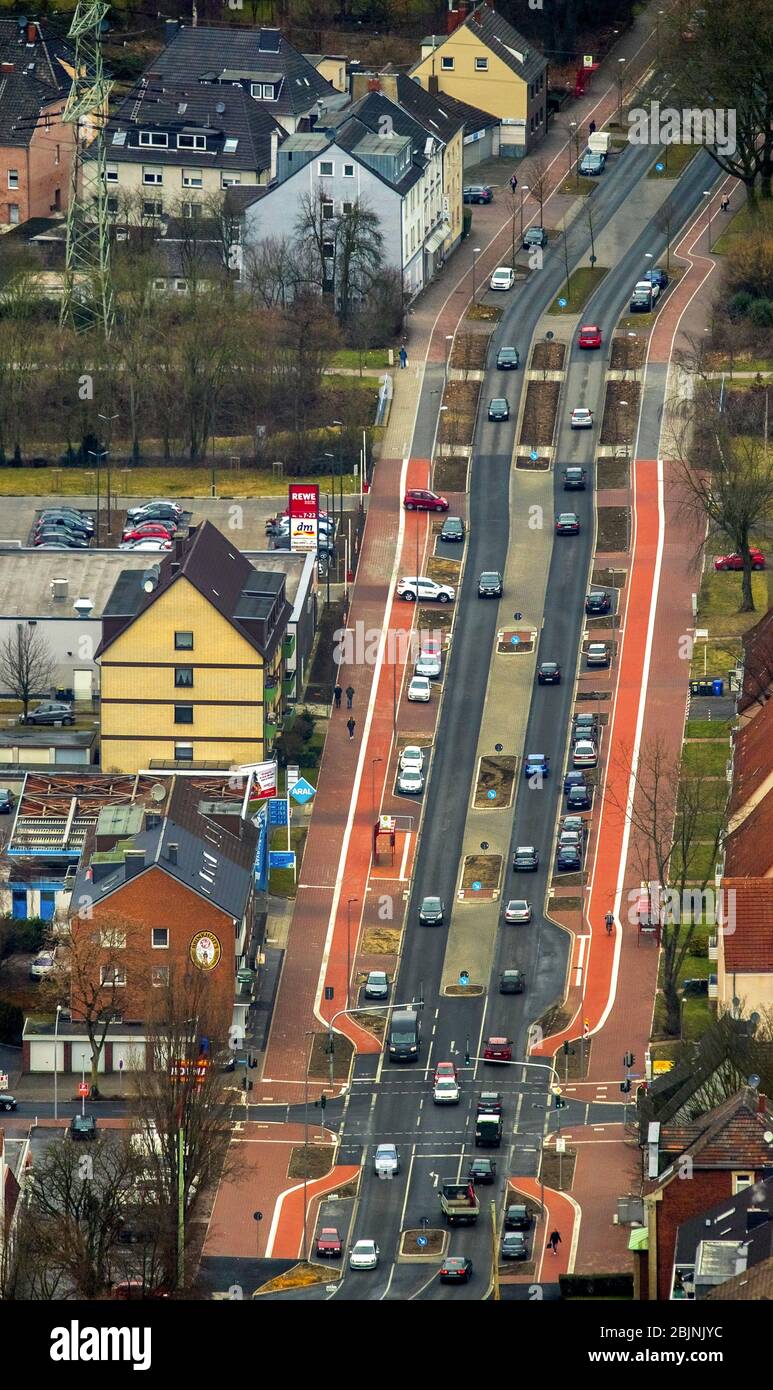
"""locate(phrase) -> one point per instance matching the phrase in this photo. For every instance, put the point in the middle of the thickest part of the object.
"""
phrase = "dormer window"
(231, 144)
(158, 139)
(263, 91)
(191, 142)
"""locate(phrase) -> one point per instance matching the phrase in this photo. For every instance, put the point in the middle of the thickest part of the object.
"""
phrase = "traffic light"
(246, 1084)
(558, 1102)
(322, 1102)
(628, 1060)
(467, 1053)
(625, 1086)
(566, 1047)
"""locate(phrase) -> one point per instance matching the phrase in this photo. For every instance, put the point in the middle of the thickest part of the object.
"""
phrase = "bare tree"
(346, 248)
(666, 222)
(538, 182)
(26, 664)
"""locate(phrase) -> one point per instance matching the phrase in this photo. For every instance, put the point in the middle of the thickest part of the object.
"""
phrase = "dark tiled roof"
(24, 92)
(446, 111)
(727, 1050)
(222, 575)
(45, 53)
(239, 118)
(374, 107)
(202, 54)
(753, 1285)
(21, 101)
(349, 135)
(749, 947)
(730, 1136)
(727, 1220)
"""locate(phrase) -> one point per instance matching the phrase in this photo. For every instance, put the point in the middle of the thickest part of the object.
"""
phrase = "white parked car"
(426, 590)
(582, 418)
(411, 782)
(651, 285)
(420, 690)
(412, 756)
(584, 754)
(446, 1091)
(503, 278)
(43, 964)
(364, 1255)
(597, 654)
(153, 546)
(428, 666)
(386, 1161)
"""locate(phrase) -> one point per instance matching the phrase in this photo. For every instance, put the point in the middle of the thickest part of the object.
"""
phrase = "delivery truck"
(459, 1203)
(599, 142)
(488, 1130)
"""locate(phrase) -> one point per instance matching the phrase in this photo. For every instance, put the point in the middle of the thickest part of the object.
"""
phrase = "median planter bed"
(443, 571)
(609, 579)
(312, 1162)
(440, 617)
(450, 475)
(485, 869)
(485, 313)
(457, 422)
(495, 774)
(436, 1242)
(538, 465)
(380, 941)
(613, 529)
(627, 353)
(612, 472)
(538, 425)
(548, 357)
(619, 424)
(469, 350)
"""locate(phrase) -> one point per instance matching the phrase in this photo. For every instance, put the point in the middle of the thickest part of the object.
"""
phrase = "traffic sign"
(562, 303)
(83, 1088)
(281, 859)
(421, 1241)
(492, 796)
(464, 977)
(3, 1080)
(477, 885)
(293, 774)
(533, 455)
(660, 166)
(278, 810)
(515, 639)
(302, 791)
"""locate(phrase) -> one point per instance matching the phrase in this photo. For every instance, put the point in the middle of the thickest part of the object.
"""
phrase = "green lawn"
(280, 881)
(371, 357)
(150, 482)
(353, 383)
(701, 863)
(582, 283)
(676, 158)
(706, 759)
(720, 597)
(708, 728)
(735, 230)
(714, 658)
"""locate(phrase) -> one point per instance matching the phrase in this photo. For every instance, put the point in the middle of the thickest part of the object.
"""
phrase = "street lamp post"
(707, 194)
(620, 76)
(572, 129)
(449, 343)
(657, 35)
(56, 1062)
(524, 190)
(96, 455)
(308, 1034)
(589, 210)
(475, 254)
(340, 425)
(108, 423)
(349, 902)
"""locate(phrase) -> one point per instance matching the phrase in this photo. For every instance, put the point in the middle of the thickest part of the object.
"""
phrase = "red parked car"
(589, 336)
(498, 1050)
(151, 531)
(735, 562)
(329, 1242)
(422, 500)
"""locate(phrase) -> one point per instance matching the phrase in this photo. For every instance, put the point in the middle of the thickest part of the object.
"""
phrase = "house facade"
(486, 63)
(35, 147)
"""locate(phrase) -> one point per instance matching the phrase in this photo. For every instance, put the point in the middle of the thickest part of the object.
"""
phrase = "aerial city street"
(386, 653)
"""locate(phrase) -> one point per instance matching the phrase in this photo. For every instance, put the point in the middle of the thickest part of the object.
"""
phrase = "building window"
(159, 938)
(191, 142)
(481, 64)
(13, 178)
(159, 285)
(112, 976)
(348, 171)
(183, 641)
(190, 209)
(57, 154)
(183, 752)
(112, 205)
(183, 677)
(326, 168)
(152, 208)
(742, 1181)
(268, 91)
(447, 64)
(182, 286)
(155, 176)
(111, 173)
(183, 714)
(230, 180)
(230, 144)
(13, 213)
(157, 139)
(327, 209)
(346, 208)
(192, 178)
(159, 976)
(112, 938)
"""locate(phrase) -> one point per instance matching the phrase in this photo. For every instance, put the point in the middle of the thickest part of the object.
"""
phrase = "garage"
(128, 1056)
(42, 1056)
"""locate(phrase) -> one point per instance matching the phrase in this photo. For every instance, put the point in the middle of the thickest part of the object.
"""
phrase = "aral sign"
(303, 510)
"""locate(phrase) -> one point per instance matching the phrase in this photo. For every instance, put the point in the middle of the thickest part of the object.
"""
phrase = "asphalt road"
(391, 1102)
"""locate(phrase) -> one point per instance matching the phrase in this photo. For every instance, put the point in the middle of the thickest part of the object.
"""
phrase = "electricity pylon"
(87, 300)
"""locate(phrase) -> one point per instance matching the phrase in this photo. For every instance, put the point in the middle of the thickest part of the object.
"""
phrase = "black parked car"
(517, 1218)
(575, 479)
(569, 859)
(452, 529)
(478, 193)
(597, 601)
(83, 1127)
(508, 359)
(6, 801)
(7, 1102)
(536, 236)
(482, 1170)
(579, 799)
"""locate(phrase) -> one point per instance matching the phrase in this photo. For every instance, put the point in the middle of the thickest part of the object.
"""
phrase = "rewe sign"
(303, 510)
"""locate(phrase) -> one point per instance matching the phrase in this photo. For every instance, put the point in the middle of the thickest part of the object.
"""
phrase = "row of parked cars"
(63, 528)
(151, 526)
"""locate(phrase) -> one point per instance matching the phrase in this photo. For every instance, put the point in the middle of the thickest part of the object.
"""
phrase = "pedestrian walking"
(554, 1241)
(350, 724)
(403, 357)
(349, 696)
(609, 922)
(337, 693)
(513, 182)
(725, 204)
(592, 128)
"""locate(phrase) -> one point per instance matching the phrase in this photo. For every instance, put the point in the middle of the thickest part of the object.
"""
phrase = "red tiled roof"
(753, 758)
(758, 663)
(733, 1135)
(749, 849)
(749, 947)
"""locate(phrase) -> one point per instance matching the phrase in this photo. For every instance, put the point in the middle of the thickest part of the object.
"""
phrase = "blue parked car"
(574, 779)
(536, 765)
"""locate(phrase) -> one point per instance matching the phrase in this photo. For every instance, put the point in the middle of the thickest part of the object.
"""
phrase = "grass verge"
(582, 283)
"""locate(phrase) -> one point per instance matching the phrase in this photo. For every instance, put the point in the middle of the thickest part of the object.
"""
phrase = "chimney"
(171, 27)
(171, 853)
(59, 588)
(762, 1104)
(433, 85)
(133, 861)
(374, 84)
(32, 34)
(274, 148)
(83, 606)
(6, 67)
(388, 82)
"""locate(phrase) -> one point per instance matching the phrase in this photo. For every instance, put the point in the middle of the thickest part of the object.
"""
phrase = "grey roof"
(353, 134)
(202, 54)
(38, 79)
(743, 1220)
(441, 109)
(211, 860)
(221, 113)
(502, 39)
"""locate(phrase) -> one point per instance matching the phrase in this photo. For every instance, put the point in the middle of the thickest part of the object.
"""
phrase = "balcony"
(288, 686)
(288, 646)
(713, 948)
(270, 727)
(270, 683)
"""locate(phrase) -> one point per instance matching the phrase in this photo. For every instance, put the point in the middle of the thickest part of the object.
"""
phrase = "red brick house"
(707, 1160)
(35, 147)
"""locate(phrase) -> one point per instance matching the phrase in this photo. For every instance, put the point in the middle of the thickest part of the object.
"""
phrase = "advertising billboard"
(303, 510)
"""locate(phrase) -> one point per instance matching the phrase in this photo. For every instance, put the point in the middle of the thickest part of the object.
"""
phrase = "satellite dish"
(150, 579)
(754, 1081)
(220, 108)
(158, 792)
(768, 1136)
(104, 26)
(22, 21)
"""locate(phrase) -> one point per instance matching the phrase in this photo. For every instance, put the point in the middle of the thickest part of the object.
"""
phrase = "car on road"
(386, 1160)
(568, 859)
(503, 278)
(364, 1255)
(429, 666)
(735, 561)
(497, 1050)
(592, 164)
(548, 673)
(525, 859)
(482, 1170)
(410, 782)
(6, 801)
(420, 499)
(589, 336)
(419, 690)
(489, 1103)
(508, 359)
(478, 193)
(498, 408)
(597, 654)
(456, 1269)
(83, 1127)
(575, 479)
(536, 765)
(490, 584)
(512, 982)
(597, 601)
(7, 1101)
(581, 418)
(514, 1246)
(518, 910)
(431, 912)
(535, 236)
(43, 964)
(444, 1069)
(446, 1091)
(329, 1243)
(50, 712)
(410, 588)
(579, 798)
(517, 1218)
(377, 985)
(567, 524)
(452, 529)
(412, 756)
(584, 753)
